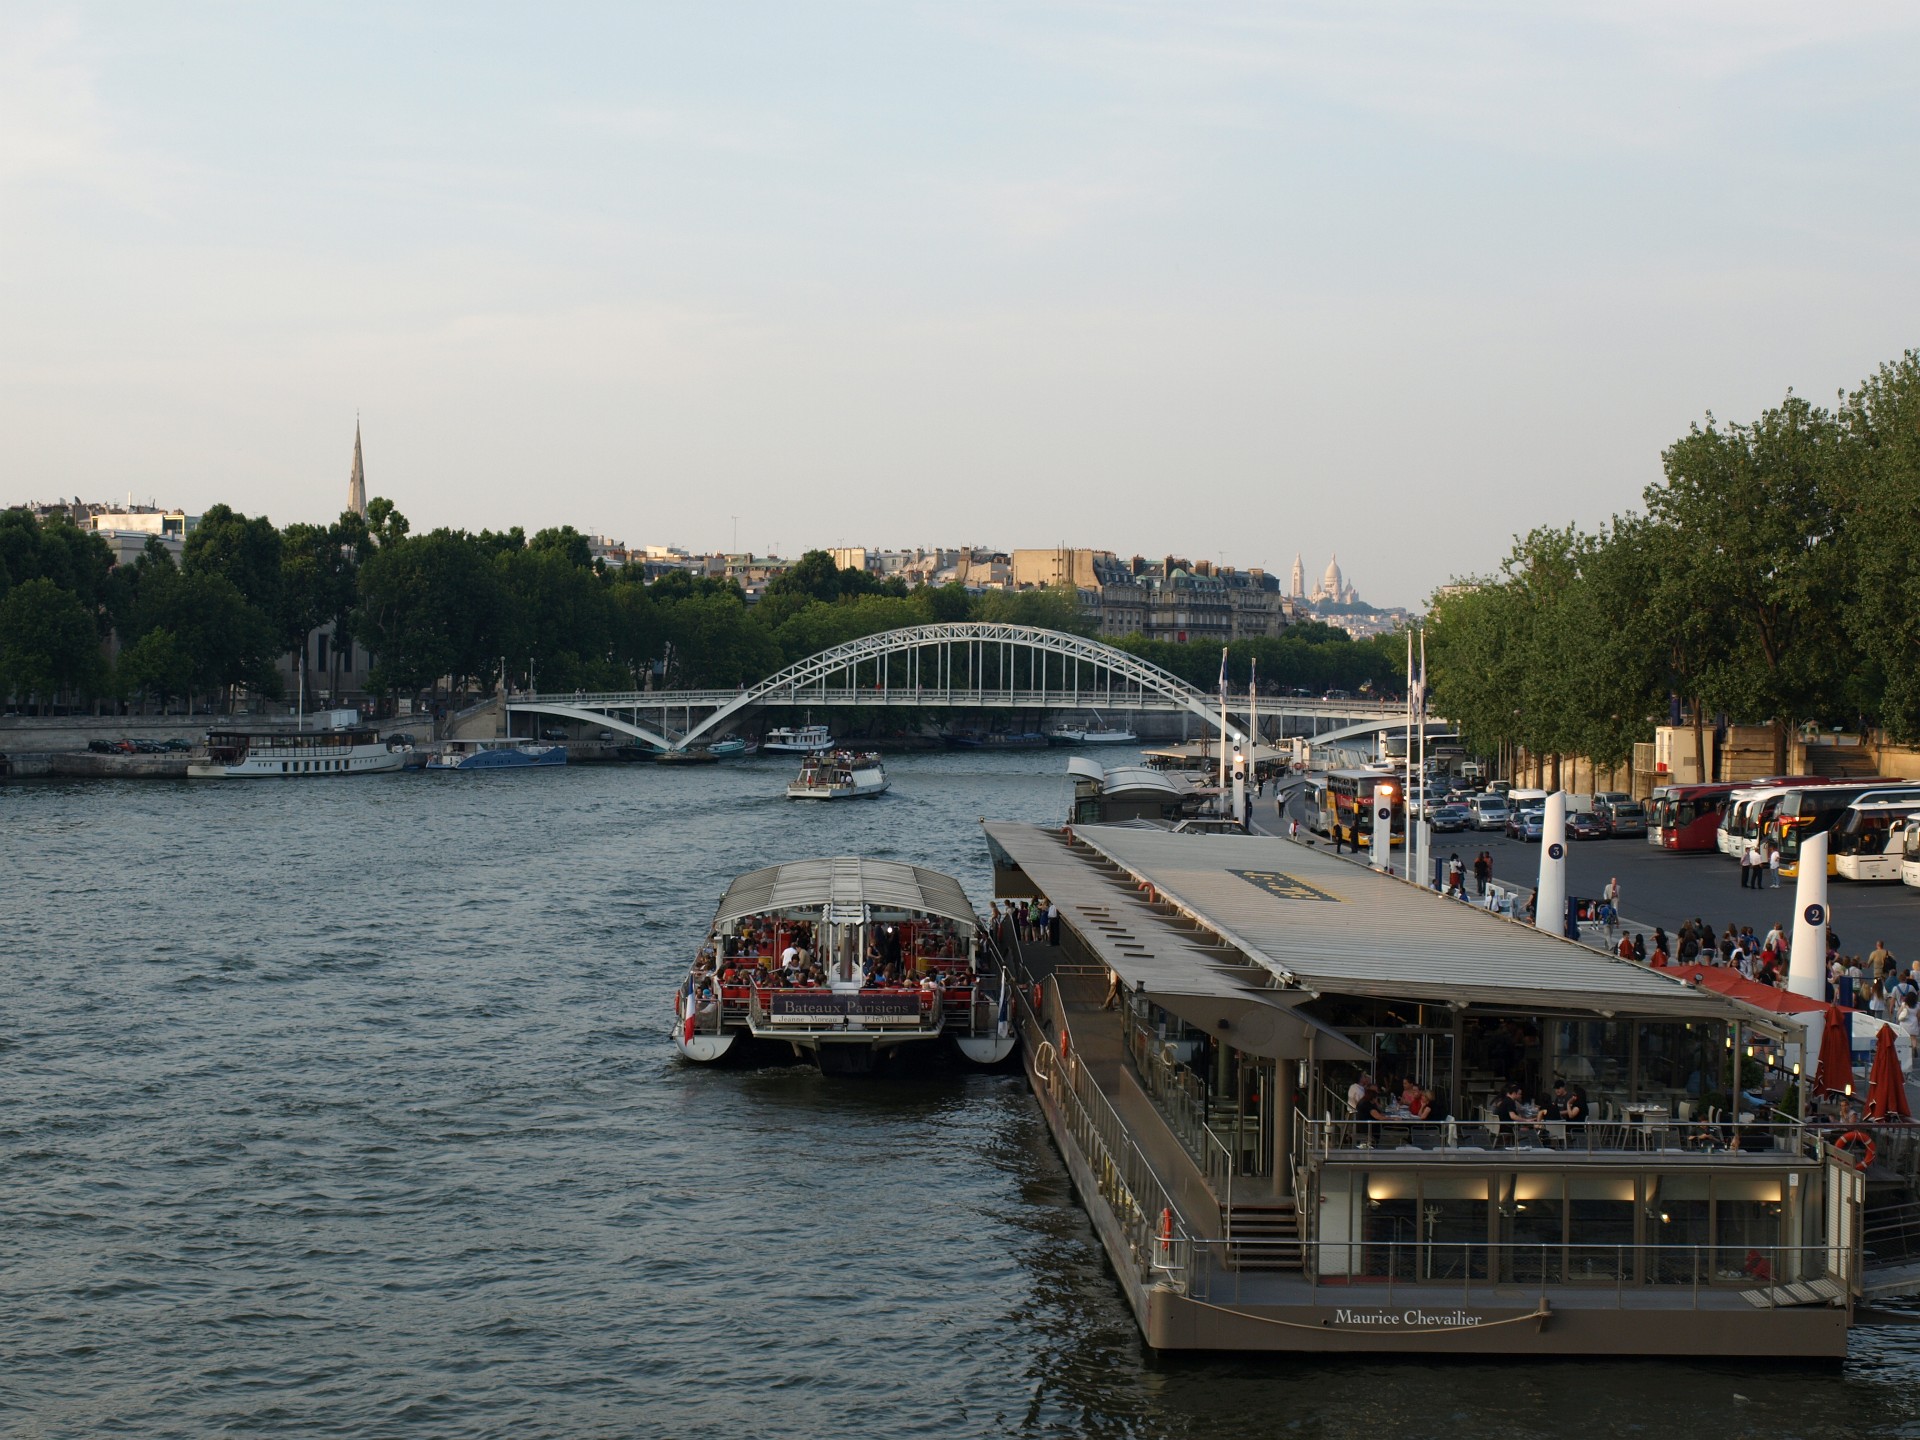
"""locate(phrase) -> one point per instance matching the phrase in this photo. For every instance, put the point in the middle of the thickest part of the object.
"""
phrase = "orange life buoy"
(1847, 1140)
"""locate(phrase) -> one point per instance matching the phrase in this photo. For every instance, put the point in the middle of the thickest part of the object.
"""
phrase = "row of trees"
(454, 606)
(1773, 577)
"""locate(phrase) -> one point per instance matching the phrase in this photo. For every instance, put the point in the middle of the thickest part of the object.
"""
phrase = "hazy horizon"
(1231, 281)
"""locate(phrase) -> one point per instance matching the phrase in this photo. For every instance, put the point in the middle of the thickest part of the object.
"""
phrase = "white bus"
(1868, 842)
(1910, 847)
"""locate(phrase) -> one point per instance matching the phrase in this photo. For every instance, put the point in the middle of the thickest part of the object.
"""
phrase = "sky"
(1227, 280)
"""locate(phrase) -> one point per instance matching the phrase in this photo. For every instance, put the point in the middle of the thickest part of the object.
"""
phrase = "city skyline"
(1398, 284)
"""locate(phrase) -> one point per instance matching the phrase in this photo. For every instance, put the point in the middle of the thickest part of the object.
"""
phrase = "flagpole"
(1223, 727)
(1407, 789)
(1426, 831)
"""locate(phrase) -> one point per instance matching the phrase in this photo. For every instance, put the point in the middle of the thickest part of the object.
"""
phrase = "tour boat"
(1095, 732)
(843, 961)
(284, 754)
(839, 775)
(803, 740)
(497, 755)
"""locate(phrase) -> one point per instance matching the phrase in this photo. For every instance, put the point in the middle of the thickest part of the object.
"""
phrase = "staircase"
(1264, 1235)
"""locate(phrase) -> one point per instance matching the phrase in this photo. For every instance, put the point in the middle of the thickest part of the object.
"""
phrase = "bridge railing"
(1052, 698)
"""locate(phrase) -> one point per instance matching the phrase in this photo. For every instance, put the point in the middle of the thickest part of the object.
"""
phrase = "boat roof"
(849, 882)
(1126, 779)
(1325, 925)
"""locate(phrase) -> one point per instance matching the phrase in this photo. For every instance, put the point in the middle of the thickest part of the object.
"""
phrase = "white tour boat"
(800, 740)
(839, 775)
(285, 754)
(843, 961)
(1095, 732)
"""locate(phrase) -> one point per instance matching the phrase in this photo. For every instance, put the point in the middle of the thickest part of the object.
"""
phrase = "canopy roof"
(846, 882)
(1324, 925)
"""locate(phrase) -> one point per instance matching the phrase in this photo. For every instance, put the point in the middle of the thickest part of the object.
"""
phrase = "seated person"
(1567, 1104)
(1418, 1102)
(1368, 1114)
(1507, 1112)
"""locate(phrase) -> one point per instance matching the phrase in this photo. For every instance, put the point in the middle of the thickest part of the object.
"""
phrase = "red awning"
(1731, 982)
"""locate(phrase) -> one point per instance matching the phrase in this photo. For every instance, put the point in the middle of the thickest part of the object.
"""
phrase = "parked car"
(103, 747)
(1450, 818)
(176, 743)
(1490, 812)
(401, 737)
(553, 732)
(1586, 825)
(1527, 825)
(1626, 818)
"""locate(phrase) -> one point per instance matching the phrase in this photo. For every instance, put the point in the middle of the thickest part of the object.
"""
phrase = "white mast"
(1807, 961)
(1550, 899)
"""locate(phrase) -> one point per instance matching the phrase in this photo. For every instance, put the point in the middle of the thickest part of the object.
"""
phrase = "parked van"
(1489, 812)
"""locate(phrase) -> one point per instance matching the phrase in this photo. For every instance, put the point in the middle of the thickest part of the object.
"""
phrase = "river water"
(348, 1109)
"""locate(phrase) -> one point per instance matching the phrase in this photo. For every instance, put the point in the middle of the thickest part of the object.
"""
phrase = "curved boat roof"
(846, 882)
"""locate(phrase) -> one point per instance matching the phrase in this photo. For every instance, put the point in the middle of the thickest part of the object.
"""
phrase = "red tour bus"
(1687, 817)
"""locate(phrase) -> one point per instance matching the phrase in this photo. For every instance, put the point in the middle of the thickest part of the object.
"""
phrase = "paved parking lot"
(1657, 888)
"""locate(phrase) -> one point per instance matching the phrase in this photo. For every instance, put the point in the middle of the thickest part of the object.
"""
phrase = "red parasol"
(1835, 1074)
(1886, 1087)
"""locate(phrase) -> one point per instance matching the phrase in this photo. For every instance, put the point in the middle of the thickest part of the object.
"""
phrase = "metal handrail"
(1374, 1268)
(1323, 1138)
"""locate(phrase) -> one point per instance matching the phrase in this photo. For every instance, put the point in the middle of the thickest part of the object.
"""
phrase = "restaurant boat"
(497, 755)
(843, 961)
(1200, 1040)
(803, 740)
(294, 754)
(839, 775)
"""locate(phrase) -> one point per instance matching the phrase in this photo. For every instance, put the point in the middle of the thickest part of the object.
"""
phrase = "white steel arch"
(790, 686)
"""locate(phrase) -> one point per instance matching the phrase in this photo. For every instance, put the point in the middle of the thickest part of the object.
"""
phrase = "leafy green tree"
(385, 524)
(715, 642)
(155, 667)
(48, 644)
(245, 552)
(1757, 511)
(814, 574)
(1881, 424)
(229, 642)
(430, 606)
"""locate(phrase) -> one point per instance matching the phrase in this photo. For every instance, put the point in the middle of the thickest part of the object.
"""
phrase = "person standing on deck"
(1053, 923)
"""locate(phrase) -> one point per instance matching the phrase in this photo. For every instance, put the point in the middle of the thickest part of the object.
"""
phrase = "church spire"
(357, 482)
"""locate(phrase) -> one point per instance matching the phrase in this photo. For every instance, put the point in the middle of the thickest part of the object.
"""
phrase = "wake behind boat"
(839, 775)
(843, 961)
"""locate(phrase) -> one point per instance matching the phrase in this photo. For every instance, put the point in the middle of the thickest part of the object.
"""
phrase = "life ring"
(1847, 1141)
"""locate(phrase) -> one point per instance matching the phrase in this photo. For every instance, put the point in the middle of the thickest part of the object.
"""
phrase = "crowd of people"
(1034, 921)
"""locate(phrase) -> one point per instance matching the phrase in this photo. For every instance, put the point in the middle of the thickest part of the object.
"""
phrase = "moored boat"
(839, 775)
(798, 740)
(497, 755)
(694, 755)
(996, 740)
(1095, 732)
(287, 754)
(843, 961)
(732, 746)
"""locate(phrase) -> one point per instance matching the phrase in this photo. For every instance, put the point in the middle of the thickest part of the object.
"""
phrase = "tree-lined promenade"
(1774, 577)
(448, 608)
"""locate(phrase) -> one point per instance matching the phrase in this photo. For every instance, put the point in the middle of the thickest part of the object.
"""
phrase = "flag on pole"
(1223, 672)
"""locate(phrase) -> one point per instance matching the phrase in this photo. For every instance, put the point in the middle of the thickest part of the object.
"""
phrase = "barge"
(1208, 1040)
(845, 962)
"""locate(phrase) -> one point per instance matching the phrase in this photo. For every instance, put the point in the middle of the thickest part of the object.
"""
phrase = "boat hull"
(502, 760)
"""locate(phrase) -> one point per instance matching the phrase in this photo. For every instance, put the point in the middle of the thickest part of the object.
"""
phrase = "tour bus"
(1737, 825)
(1910, 846)
(1687, 817)
(1347, 805)
(1868, 842)
(1812, 810)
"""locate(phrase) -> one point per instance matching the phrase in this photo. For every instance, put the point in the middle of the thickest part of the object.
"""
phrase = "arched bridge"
(957, 666)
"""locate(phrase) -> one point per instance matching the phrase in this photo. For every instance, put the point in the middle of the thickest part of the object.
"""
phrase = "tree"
(813, 574)
(227, 641)
(155, 667)
(1881, 425)
(48, 643)
(242, 551)
(1756, 514)
(430, 605)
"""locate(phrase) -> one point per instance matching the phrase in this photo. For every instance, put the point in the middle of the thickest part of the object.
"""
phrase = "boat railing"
(1181, 1098)
(1371, 1274)
(1629, 1135)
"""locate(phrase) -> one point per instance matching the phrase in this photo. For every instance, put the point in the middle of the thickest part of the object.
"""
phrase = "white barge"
(843, 961)
(294, 754)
